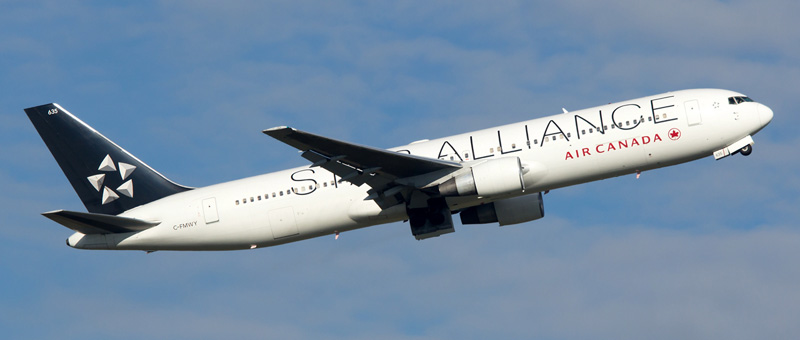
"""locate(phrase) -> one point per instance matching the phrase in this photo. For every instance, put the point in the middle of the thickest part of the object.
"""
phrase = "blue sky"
(707, 249)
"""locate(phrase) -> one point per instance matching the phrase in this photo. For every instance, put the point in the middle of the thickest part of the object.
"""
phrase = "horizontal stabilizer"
(90, 223)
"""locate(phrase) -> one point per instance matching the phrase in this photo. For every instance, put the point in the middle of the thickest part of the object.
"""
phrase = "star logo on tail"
(107, 166)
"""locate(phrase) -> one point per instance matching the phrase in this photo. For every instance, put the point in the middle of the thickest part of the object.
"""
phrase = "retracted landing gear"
(746, 150)
(433, 220)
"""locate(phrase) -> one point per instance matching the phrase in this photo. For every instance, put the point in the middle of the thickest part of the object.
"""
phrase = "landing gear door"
(693, 116)
(210, 210)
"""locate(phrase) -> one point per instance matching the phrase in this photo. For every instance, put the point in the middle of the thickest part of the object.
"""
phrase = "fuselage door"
(210, 210)
(693, 116)
(282, 222)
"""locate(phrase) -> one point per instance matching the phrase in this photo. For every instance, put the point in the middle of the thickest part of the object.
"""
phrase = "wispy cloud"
(701, 250)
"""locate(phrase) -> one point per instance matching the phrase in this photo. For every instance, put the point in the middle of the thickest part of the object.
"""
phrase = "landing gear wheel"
(436, 217)
(416, 220)
(746, 150)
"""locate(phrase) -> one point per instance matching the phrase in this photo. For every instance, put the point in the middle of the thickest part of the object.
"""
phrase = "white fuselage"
(558, 151)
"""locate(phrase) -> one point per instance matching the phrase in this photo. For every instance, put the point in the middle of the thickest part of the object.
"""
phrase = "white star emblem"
(107, 165)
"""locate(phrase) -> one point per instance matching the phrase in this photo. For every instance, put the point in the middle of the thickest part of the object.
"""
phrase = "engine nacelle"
(508, 211)
(494, 177)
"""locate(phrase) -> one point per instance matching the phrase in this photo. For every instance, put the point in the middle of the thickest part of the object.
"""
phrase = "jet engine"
(493, 177)
(508, 211)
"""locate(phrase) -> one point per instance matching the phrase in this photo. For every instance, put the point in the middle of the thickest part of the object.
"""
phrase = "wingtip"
(277, 129)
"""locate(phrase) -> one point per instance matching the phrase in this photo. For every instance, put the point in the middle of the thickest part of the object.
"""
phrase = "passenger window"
(237, 202)
(590, 130)
(251, 199)
(281, 193)
(554, 137)
(491, 150)
(244, 200)
(535, 142)
(513, 145)
(583, 132)
(259, 197)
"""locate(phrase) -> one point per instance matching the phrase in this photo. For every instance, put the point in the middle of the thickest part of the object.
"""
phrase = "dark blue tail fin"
(108, 179)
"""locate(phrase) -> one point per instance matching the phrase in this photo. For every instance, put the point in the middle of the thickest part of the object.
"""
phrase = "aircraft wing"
(359, 164)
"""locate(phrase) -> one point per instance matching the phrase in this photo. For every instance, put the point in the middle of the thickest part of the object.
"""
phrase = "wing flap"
(91, 223)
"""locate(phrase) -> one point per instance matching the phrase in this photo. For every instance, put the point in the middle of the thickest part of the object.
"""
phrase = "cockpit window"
(738, 100)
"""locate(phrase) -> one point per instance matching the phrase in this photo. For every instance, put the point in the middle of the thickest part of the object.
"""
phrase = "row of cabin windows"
(281, 193)
(569, 135)
(627, 123)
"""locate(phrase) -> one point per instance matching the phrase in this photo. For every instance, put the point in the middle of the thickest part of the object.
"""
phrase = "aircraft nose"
(765, 114)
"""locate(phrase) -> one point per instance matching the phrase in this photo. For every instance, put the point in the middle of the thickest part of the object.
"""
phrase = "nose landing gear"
(746, 150)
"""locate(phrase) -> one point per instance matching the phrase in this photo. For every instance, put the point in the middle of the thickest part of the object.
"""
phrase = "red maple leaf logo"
(674, 134)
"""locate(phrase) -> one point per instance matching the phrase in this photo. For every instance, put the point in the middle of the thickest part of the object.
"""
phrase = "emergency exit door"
(210, 210)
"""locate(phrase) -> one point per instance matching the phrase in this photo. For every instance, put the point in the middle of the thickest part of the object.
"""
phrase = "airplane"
(494, 175)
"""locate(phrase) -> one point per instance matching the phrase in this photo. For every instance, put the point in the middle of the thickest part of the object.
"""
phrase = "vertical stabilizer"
(108, 179)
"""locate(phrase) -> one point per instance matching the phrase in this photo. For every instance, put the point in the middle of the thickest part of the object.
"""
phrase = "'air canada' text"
(613, 146)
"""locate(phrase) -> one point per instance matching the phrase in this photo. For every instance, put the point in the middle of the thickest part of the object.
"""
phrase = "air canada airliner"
(494, 175)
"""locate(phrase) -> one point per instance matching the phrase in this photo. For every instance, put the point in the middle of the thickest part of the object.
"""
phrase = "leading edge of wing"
(396, 164)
